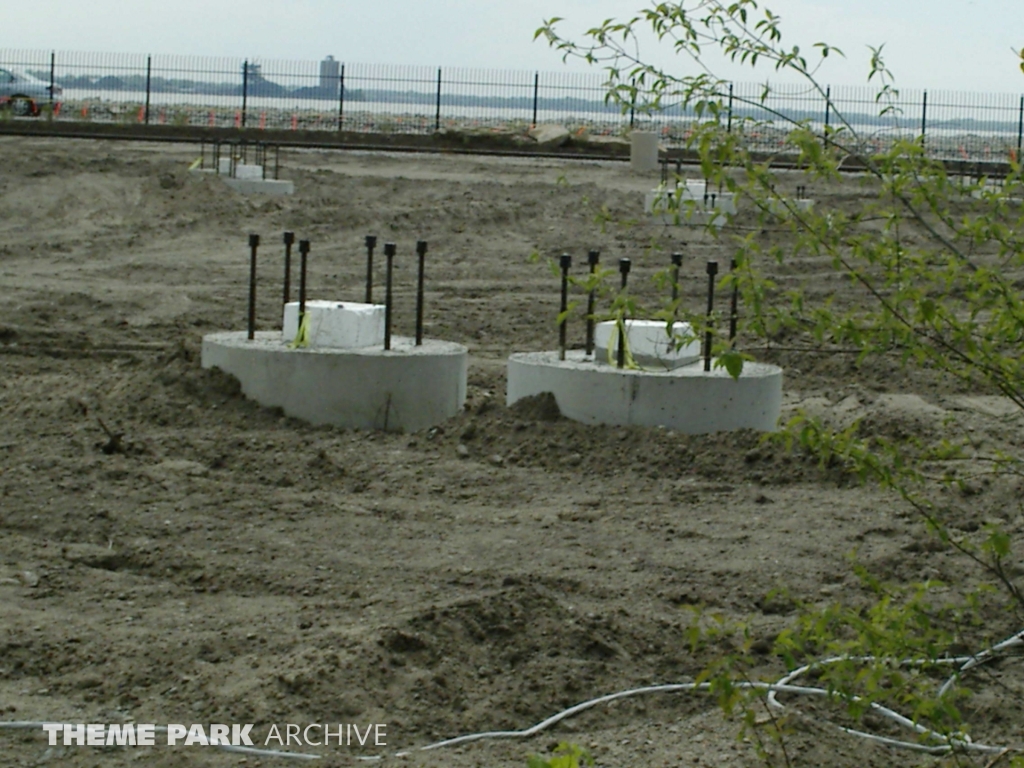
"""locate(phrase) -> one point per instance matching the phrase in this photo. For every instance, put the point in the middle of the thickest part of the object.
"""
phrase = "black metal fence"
(335, 95)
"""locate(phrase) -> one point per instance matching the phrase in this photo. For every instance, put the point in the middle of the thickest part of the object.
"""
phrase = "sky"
(961, 45)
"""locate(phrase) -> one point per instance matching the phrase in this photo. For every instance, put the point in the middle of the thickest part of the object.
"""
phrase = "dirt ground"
(231, 565)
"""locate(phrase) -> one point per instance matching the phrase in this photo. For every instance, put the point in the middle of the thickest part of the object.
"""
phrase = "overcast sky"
(937, 44)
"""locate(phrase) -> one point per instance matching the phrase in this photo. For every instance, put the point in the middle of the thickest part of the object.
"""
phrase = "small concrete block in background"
(336, 324)
(648, 342)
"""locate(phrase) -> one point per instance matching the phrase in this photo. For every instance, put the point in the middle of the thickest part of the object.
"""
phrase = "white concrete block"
(337, 324)
(224, 166)
(643, 151)
(779, 208)
(688, 399)
(249, 172)
(649, 343)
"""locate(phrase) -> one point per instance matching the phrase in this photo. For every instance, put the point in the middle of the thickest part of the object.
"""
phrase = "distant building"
(330, 71)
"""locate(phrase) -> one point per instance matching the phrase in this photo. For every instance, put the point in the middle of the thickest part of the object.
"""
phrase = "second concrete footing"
(687, 399)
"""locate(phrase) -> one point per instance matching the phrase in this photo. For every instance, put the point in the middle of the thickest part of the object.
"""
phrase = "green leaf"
(733, 362)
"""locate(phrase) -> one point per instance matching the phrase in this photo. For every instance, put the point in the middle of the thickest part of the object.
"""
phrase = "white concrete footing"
(404, 389)
(686, 399)
(252, 186)
(686, 203)
(273, 187)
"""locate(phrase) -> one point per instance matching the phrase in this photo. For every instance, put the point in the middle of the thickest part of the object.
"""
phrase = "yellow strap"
(302, 337)
(623, 339)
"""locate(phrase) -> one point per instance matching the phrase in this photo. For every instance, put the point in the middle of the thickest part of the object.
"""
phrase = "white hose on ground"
(784, 685)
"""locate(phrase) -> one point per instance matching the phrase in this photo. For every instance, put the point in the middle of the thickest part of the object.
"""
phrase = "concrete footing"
(273, 187)
(406, 388)
(253, 186)
(688, 203)
(686, 399)
(784, 208)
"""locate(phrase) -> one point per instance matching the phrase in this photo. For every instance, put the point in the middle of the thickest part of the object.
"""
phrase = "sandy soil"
(232, 565)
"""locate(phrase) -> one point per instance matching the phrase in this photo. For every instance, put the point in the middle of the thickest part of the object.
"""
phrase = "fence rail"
(332, 95)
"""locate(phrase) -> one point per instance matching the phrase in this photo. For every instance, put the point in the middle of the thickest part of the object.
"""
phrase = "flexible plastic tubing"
(784, 685)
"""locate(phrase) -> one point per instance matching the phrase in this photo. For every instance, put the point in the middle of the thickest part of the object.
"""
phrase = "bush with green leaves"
(935, 265)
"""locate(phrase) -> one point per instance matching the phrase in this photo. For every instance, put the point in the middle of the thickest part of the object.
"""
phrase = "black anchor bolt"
(593, 257)
(389, 252)
(303, 259)
(421, 251)
(289, 240)
(564, 261)
(712, 270)
(254, 244)
(624, 267)
(371, 243)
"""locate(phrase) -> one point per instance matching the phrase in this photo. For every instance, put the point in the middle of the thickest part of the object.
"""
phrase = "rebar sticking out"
(712, 270)
(677, 262)
(624, 265)
(421, 250)
(371, 243)
(303, 257)
(565, 261)
(289, 239)
(254, 243)
(389, 252)
(593, 257)
(733, 309)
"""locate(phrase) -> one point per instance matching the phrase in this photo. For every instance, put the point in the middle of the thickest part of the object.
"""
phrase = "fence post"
(437, 114)
(828, 106)
(728, 125)
(536, 88)
(149, 79)
(1020, 127)
(924, 113)
(341, 98)
(632, 105)
(53, 68)
(245, 89)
